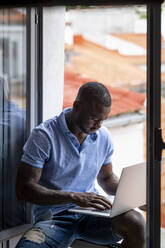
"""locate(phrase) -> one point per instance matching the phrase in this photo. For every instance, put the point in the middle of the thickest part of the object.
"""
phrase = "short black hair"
(95, 91)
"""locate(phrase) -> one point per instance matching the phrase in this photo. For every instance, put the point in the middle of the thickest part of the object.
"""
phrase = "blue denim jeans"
(61, 230)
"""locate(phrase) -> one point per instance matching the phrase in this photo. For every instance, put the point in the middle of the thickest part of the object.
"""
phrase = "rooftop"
(109, 66)
(123, 101)
(141, 40)
(13, 17)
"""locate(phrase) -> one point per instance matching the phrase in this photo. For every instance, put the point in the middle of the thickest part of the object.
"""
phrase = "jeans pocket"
(46, 216)
(45, 220)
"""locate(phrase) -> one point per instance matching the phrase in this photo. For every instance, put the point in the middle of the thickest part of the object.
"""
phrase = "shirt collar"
(62, 121)
(93, 136)
(64, 127)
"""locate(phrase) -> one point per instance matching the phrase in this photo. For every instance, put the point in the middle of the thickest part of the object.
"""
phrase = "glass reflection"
(12, 111)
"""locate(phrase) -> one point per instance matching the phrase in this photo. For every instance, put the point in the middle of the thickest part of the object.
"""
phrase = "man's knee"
(35, 235)
(131, 225)
(32, 239)
(136, 225)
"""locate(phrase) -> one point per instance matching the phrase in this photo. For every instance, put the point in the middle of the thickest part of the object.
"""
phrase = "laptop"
(130, 194)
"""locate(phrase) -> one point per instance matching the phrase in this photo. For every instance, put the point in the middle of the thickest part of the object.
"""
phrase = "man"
(12, 138)
(62, 158)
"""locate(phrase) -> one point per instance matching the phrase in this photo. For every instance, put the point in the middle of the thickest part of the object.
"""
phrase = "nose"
(98, 123)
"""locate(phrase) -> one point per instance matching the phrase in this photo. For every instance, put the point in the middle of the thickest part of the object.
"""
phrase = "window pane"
(12, 111)
(99, 47)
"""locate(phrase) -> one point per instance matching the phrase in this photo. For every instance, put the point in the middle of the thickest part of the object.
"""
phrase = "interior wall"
(53, 60)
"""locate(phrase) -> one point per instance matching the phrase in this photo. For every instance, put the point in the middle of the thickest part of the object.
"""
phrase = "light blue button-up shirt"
(66, 164)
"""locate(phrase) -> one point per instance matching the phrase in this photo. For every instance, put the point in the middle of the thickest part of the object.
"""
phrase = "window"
(99, 47)
(12, 111)
(20, 103)
(153, 234)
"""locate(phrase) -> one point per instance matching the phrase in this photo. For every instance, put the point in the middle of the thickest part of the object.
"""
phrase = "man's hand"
(143, 208)
(91, 200)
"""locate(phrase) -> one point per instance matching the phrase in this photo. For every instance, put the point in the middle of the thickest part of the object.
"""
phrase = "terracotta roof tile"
(12, 16)
(138, 39)
(107, 66)
(123, 101)
(110, 67)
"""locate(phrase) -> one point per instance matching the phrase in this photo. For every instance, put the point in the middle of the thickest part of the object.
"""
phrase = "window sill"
(13, 232)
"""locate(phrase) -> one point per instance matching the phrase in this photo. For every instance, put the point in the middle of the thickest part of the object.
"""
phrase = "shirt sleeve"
(110, 149)
(36, 150)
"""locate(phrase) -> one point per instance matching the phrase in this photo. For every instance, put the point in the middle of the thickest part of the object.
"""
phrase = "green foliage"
(78, 7)
(142, 15)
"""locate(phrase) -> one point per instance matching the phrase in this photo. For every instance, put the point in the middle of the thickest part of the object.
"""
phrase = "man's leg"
(97, 230)
(57, 232)
(34, 238)
(131, 226)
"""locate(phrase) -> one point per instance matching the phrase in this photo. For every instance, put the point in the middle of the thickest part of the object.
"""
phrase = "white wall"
(163, 22)
(53, 60)
(106, 20)
(129, 145)
(103, 20)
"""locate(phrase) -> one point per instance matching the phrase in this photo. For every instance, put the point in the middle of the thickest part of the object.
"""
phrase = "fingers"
(143, 208)
(93, 200)
(100, 203)
(106, 200)
(100, 206)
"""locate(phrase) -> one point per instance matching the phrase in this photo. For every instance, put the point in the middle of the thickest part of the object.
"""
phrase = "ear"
(77, 105)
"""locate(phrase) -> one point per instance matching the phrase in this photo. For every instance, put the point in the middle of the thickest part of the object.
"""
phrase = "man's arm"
(107, 179)
(29, 190)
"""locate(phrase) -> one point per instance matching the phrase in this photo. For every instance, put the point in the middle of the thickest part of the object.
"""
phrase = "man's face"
(89, 117)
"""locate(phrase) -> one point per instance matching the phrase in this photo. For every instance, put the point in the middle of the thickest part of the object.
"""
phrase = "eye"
(96, 120)
(92, 118)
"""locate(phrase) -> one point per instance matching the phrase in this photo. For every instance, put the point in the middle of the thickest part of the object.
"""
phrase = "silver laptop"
(131, 193)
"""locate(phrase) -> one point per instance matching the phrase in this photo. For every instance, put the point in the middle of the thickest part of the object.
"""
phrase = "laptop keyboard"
(103, 211)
